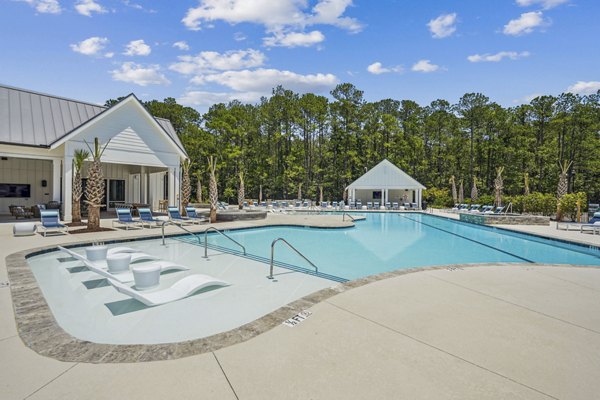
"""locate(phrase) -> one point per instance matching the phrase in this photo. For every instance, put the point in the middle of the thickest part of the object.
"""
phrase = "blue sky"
(207, 51)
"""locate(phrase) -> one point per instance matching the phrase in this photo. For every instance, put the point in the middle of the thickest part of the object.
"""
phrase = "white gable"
(385, 175)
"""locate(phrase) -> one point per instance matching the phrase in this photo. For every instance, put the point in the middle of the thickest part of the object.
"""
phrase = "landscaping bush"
(539, 203)
(438, 198)
(486, 199)
(567, 206)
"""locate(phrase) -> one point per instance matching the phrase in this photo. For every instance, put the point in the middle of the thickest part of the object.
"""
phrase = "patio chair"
(414, 206)
(593, 224)
(298, 204)
(395, 205)
(179, 290)
(475, 208)
(125, 219)
(50, 220)
(376, 205)
(126, 276)
(388, 205)
(176, 217)
(334, 204)
(21, 212)
(305, 204)
(369, 205)
(498, 210)
(191, 213)
(359, 205)
(146, 218)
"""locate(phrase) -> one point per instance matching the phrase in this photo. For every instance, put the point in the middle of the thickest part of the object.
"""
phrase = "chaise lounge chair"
(126, 276)
(124, 218)
(192, 214)
(179, 290)
(146, 217)
(176, 217)
(50, 220)
(592, 225)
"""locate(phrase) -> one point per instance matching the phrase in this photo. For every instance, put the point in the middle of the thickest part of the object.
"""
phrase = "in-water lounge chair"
(124, 218)
(179, 290)
(191, 213)
(50, 220)
(126, 276)
(176, 217)
(146, 218)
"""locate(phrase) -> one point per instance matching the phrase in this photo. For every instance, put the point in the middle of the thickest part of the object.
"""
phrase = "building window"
(116, 192)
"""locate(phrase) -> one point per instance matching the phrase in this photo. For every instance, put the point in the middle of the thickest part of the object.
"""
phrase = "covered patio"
(386, 183)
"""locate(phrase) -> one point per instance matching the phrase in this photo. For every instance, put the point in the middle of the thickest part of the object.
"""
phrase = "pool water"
(388, 241)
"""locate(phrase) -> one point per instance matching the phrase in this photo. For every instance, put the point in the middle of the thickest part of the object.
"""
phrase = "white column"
(178, 186)
(67, 184)
(56, 173)
(419, 198)
(172, 187)
(143, 185)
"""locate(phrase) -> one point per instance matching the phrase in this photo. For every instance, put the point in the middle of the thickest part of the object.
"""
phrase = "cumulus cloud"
(202, 98)
(443, 26)
(137, 48)
(87, 7)
(512, 55)
(293, 39)
(377, 68)
(583, 87)
(45, 6)
(91, 46)
(210, 61)
(140, 75)
(526, 23)
(181, 45)
(545, 4)
(424, 66)
(285, 20)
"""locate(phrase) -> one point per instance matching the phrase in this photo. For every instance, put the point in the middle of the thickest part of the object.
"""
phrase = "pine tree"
(79, 156)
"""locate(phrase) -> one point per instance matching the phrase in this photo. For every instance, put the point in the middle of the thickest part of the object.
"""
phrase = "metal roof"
(29, 118)
(385, 175)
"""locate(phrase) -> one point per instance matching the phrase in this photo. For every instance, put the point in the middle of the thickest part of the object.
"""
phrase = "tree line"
(290, 140)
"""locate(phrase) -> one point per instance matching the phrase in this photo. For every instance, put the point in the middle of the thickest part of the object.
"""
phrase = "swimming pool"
(88, 308)
(388, 241)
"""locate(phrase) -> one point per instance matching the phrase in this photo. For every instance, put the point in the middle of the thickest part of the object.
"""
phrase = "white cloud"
(294, 39)
(137, 48)
(87, 7)
(203, 98)
(272, 14)
(210, 61)
(425, 66)
(264, 80)
(526, 23)
(139, 74)
(90, 46)
(239, 37)
(45, 6)
(181, 45)
(442, 26)
(377, 68)
(109, 54)
(513, 55)
(136, 6)
(583, 87)
(545, 4)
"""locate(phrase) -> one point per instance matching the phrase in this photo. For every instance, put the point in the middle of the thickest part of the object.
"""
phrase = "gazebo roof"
(385, 175)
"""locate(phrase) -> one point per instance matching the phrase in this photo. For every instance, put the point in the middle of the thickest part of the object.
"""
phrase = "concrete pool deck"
(518, 331)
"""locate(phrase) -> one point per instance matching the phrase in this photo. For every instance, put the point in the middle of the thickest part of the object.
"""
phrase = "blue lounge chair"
(359, 205)
(147, 218)
(334, 204)
(498, 210)
(376, 205)
(414, 206)
(388, 205)
(369, 205)
(305, 204)
(395, 205)
(176, 217)
(124, 218)
(191, 213)
(592, 225)
(50, 220)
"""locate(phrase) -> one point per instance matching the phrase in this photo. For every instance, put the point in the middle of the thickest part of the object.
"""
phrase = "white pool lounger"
(125, 276)
(179, 290)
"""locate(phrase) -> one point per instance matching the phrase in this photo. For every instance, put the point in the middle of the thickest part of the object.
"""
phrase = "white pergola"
(386, 182)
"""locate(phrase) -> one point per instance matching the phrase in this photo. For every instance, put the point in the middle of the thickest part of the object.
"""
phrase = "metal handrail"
(349, 216)
(508, 207)
(291, 247)
(162, 225)
(212, 228)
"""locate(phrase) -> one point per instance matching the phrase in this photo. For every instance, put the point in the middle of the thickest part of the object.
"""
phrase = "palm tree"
(213, 195)
(198, 186)
(79, 156)
(94, 189)
(454, 194)
(241, 193)
(562, 187)
(498, 186)
(474, 192)
(526, 182)
(461, 193)
(186, 187)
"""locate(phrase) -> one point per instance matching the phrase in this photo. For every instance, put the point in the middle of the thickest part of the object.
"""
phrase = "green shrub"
(438, 197)
(539, 203)
(486, 199)
(567, 206)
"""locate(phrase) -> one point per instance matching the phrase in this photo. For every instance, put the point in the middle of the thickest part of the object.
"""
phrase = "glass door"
(116, 192)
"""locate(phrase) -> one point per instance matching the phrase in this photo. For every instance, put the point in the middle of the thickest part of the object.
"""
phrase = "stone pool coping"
(40, 332)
